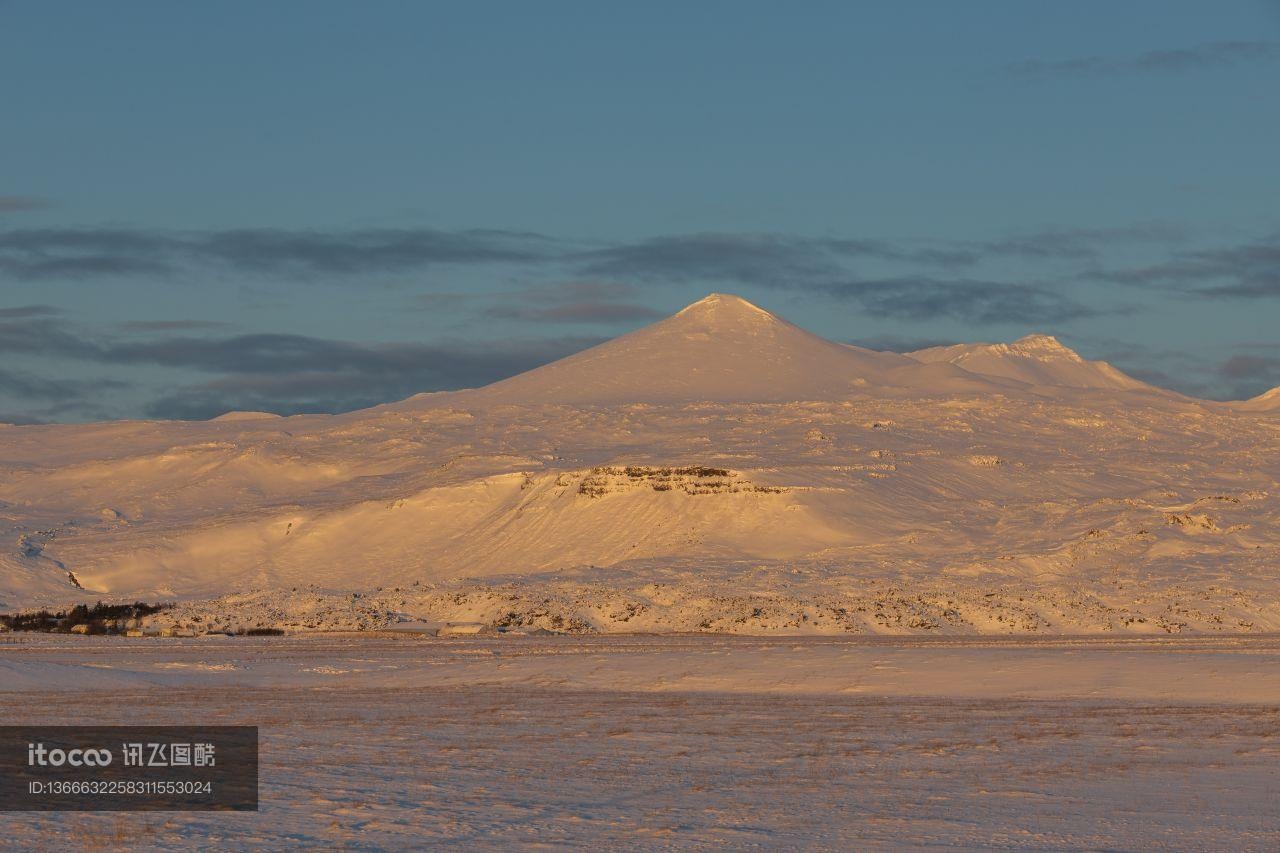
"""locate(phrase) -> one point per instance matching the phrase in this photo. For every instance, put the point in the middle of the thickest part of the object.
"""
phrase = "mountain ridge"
(1036, 359)
(1267, 401)
(720, 348)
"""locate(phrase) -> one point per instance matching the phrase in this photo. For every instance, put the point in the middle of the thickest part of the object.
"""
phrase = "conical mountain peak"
(721, 348)
(726, 315)
(1042, 344)
(723, 306)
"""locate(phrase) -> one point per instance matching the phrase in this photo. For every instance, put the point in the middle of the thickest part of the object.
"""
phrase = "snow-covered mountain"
(719, 470)
(723, 349)
(1036, 360)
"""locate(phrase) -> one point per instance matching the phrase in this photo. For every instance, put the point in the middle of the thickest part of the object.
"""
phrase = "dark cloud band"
(276, 372)
(970, 300)
(45, 254)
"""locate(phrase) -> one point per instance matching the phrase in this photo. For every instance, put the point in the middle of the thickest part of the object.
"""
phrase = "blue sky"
(320, 206)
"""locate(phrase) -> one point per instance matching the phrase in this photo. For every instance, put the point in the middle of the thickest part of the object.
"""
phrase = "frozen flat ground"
(692, 741)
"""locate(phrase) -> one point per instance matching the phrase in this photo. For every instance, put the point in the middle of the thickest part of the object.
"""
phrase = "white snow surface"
(1266, 402)
(1036, 360)
(721, 348)
(678, 742)
(721, 470)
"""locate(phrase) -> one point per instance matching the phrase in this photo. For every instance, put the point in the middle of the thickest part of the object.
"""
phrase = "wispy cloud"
(830, 267)
(43, 335)
(278, 372)
(827, 267)
(51, 253)
(57, 253)
(290, 375)
(1245, 271)
(381, 250)
(1218, 54)
(773, 260)
(30, 386)
(770, 260)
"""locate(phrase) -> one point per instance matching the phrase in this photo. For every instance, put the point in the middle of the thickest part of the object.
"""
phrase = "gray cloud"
(277, 372)
(42, 399)
(263, 353)
(82, 267)
(766, 260)
(83, 407)
(1203, 56)
(379, 250)
(769, 260)
(1250, 374)
(290, 375)
(30, 386)
(39, 254)
(971, 300)
(415, 367)
(1250, 366)
(275, 353)
(1248, 271)
(43, 254)
(43, 335)
(785, 261)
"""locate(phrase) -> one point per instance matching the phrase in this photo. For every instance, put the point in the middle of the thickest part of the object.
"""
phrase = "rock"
(463, 629)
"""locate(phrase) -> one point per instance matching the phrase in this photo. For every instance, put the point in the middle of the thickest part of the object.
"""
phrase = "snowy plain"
(688, 742)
